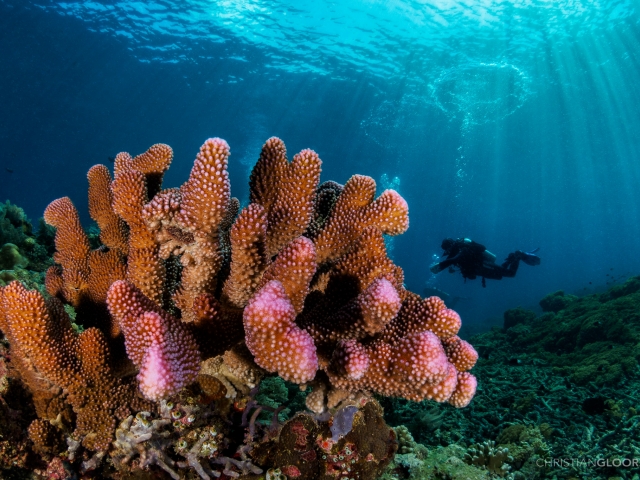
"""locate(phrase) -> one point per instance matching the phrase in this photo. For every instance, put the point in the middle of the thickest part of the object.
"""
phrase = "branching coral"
(156, 342)
(72, 251)
(494, 459)
(300, 280)
(186, 223)
(56, 361)
(113, 233)
(356, 209)
(286, 191)
(269, 322)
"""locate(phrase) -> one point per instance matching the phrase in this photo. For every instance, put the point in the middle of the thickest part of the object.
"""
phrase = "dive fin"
(530, 259)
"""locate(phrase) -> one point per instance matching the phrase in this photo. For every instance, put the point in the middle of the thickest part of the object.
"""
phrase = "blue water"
(514, 123)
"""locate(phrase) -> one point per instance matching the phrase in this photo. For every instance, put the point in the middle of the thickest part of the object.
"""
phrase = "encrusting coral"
(300, 277)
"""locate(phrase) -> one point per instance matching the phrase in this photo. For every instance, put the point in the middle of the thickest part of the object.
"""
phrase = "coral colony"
(188, 303)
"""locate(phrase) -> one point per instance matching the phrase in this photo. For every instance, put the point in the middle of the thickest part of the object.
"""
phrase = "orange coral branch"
(113, 232)
(144, 267)
(356, 210)
(267, 172)
(294, 268)
(286, 191)
(129, 197)
(368, 260)
(206, 194)
(72, 248)
(187, 223)
(105, 267)
(293, 208)
(153, 164)
(79, 364)
(248, 255)
(272, 336)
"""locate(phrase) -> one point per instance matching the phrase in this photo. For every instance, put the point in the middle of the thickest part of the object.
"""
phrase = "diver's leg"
(510, 266)
(493, 272)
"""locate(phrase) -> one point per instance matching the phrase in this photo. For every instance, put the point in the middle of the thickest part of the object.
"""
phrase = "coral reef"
(185, 299)
(556, 301)
(487, 455)
(553, 422)
(548, 393)
(563, 384)
(14, 225)
(307, 448)
(10, 257)
(516, 316)
(592, 339)
(23, 254)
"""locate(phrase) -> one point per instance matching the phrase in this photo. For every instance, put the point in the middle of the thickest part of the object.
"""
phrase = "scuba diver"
(474, 260)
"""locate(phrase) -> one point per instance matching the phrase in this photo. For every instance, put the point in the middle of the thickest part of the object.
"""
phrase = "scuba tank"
(488, 258)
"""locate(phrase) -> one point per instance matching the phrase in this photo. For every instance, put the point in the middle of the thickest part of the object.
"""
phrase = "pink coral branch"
(272, 336)
(159, 344)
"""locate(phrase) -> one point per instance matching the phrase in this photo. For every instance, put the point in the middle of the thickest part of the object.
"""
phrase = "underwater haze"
(514, 123)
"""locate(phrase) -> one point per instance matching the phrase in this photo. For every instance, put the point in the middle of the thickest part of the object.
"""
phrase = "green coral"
(494, 458)
(525, 440)
(406, 443)
(11, 258)
(14, 224)
(29, 249)
(517, 316)
(630, 286)
(46, 236)
(32, 280)
(554, 302)
(273, 393)
(440, 463)
(592, 339)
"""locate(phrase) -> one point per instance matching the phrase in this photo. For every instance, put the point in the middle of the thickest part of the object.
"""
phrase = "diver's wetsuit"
(474, 260)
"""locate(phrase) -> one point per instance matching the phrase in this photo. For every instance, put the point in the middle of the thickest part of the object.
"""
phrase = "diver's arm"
(447, 262)
(450, 260)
